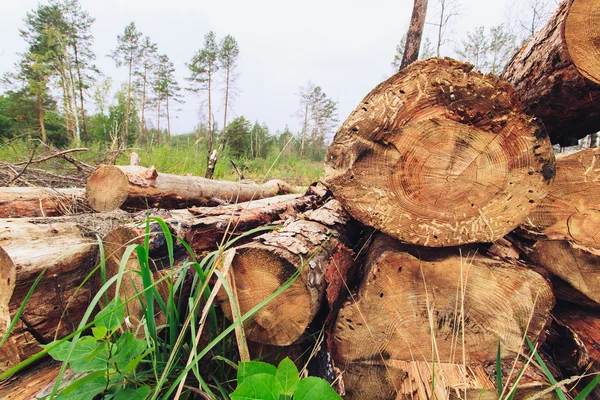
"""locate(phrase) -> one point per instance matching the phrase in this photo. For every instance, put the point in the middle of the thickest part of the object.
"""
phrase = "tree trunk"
(138, 188)
(83, 123)
(8, 277)
(41, 118)
(143, 121)
(34, 383)
(67, 248)
(316, 244)
(557, 73)
(18, 202)
(418, 305)
(127, 108)
(571, 211)
(158, 121)
(168, 121)
(224, 139)
(304, 128)
(414, 34)
(437, 154)
(209, 171)
(576, 344)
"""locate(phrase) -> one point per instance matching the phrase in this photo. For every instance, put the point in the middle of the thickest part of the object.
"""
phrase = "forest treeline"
(57, 93)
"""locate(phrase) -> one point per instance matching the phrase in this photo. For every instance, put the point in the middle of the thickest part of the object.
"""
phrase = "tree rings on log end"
(439, 155)
(107, 188)
(582, 37)
(258, 273)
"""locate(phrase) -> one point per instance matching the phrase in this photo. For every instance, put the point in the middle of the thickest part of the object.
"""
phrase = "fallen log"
(17, 202)
(557, 72)
(576, 344)
(571, 211)
(318, 243)
(34, 383)
(439, 155)
(137, 188)
(66, 249)
(8, 277)
(448, 306)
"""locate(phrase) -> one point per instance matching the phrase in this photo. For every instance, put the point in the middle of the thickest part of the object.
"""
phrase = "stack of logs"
(447, 234)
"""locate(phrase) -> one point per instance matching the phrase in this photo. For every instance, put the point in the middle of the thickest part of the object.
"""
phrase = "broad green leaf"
(129, 347)
(287, 375)
(85, 346)
(111, 317)
(85, 388)
(99, 332)
(258, 387)
(140, 393)
(313, 388)
(247, 369)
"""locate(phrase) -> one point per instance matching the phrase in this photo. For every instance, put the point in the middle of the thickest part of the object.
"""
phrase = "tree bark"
(34, 383)
(137, 188)
(19, 202)
(67, 249)
(414, 34)
(557, 73)
(41, 118)
(571, 211)
(576, 344)
(80, 81)
(127, 107)
(8, 277)
(316, 244)
(437, 154)
(416, 305)
(209, 170)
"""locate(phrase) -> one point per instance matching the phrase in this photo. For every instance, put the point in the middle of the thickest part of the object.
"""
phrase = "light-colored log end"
(107, 188)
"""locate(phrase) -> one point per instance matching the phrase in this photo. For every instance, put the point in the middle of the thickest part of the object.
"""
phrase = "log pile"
(447, 235)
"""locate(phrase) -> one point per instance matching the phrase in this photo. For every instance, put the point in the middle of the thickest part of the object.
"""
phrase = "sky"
(344, 46)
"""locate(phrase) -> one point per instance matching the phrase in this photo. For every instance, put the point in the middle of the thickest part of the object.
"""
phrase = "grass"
(182, 159)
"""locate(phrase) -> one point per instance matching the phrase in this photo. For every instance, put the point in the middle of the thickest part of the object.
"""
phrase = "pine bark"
(417, 305)
(415, 33)
(557, 73)
(438, 154)
(20, 202)
(137, 188)
(41, 118)
(318, 245)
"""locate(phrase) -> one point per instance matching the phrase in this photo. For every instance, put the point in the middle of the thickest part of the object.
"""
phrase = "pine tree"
(399, 53)
(305, 94)
(148, 62)
(203, 67)
(475, 48)
(127, 53)
(228, 56)
(501, 47)
(166, 86)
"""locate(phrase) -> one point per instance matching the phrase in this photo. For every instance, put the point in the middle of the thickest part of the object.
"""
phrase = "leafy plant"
(259, 380)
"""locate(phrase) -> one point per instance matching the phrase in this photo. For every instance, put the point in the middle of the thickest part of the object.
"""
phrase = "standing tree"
(475, 48)
(305, 94)
(415, 33)
(501, 46)
(166, 86)
(128, 53)
(80, 40)
(426, 49)
(228, 56)
(448, 10)
(148, 61)
(101, 101)
(399, 53)
(203, 66)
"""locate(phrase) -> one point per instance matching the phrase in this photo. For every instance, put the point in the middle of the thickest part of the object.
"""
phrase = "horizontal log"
(557, 72)
(440, 155)
(138, 188)
(16, 202)
(417, 304)
(319, 243)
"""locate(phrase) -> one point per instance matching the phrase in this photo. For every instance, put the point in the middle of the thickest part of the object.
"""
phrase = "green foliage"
(258, 380)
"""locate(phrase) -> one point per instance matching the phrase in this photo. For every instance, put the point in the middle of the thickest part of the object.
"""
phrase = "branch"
(59, 154)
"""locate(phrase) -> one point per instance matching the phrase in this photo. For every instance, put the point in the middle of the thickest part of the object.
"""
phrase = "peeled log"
(137, 188)
(318, 243)
(439, 155)
(412, 296)
(571, 211)
(557, 73)
(67, 247)
(16, 202)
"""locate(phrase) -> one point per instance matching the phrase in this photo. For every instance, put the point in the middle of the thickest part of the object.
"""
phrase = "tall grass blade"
(544, 367)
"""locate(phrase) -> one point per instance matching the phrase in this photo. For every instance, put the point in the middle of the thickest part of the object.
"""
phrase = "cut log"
(577, 344)
(577, 265)
(67, 248)
(137, 188)
(16, 202)
(8, 277)
(439, 155)
(557, 73)
(450, 306)
(571, 211)
(318, 243)
(34, 383)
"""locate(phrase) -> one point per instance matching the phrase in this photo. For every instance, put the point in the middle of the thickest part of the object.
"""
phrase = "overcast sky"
(346, 46)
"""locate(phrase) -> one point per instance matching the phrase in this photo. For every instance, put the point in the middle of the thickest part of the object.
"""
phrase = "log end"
(436, 154)
(582, 38)
(107, 188)
(258, 273)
